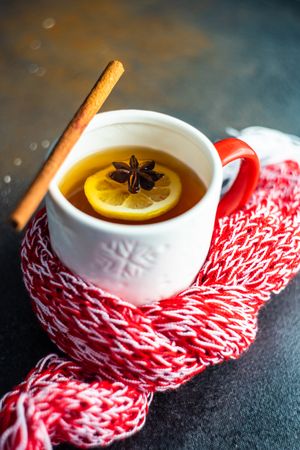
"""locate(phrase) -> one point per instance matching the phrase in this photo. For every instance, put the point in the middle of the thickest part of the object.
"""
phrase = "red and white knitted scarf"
(120, 354)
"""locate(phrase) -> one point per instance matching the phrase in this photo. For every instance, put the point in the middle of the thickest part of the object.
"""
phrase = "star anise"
(137, 176)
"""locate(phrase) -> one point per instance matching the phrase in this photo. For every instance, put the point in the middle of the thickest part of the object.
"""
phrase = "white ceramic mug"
(147, 262)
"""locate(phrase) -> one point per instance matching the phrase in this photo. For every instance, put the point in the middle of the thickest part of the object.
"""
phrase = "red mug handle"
(229, 150)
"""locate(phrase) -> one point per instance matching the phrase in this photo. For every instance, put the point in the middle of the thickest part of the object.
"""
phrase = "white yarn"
(272, 147)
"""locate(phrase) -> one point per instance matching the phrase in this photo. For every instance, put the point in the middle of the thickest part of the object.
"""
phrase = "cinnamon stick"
(69, 137)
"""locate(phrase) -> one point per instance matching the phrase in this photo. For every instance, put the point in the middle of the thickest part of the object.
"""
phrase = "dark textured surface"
(212, 63)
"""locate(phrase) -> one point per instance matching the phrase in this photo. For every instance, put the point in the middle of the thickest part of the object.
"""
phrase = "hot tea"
(132, 185)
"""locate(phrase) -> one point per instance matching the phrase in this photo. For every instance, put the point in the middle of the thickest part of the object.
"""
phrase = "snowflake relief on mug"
(126, 258)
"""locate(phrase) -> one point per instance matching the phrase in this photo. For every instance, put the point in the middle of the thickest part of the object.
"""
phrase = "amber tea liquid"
(71, 186)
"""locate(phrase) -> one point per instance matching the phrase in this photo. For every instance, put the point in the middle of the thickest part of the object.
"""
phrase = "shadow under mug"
(144, 263)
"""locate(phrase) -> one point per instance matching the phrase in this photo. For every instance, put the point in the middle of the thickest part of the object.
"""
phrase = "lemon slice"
(112, 199)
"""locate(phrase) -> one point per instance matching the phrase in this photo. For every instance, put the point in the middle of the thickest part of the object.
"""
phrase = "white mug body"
(139, 263)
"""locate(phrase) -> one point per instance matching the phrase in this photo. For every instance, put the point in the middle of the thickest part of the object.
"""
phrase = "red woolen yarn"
(124, 353)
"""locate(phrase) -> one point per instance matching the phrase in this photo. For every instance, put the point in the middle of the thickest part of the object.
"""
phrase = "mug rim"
(151, 118)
